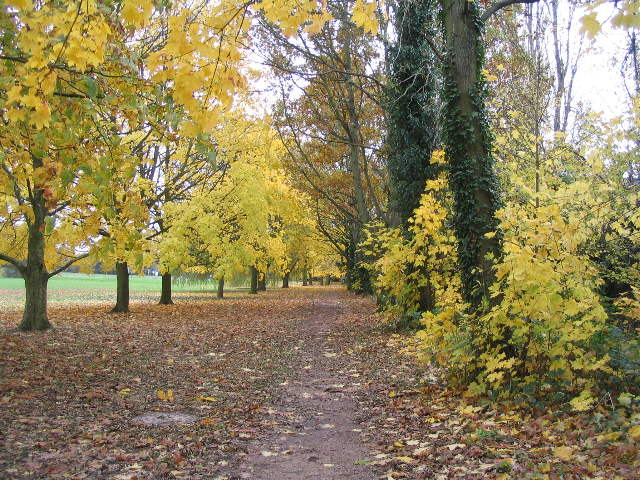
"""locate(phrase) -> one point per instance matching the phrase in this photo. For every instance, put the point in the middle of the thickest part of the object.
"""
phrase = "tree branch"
(13, 261)
(67, 265)
(500, 5)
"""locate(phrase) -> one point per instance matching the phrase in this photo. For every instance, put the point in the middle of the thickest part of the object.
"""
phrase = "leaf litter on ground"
(67, 397)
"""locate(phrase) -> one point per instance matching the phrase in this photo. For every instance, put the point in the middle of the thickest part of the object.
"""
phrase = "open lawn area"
(72, 288)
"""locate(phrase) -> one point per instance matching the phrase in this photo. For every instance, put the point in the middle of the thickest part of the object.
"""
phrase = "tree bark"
(285, 280)
(35, 272)
(327, 280)
(165, 297)
(254, 281)
(220, 293)
(122, 279)
(304, 277)
(262, 282)
(468, 150)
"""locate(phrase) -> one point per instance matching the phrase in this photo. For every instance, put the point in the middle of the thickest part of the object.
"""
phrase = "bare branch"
(500, 5)
(67, 265)
(13, 261)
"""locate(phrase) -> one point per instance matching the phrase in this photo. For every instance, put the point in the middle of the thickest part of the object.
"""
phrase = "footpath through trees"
(297, 383)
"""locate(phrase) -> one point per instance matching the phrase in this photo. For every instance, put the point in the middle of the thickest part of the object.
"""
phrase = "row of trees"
(520, 256)
(121, 143)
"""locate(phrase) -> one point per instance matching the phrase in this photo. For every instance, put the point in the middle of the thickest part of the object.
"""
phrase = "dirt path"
(316, 436)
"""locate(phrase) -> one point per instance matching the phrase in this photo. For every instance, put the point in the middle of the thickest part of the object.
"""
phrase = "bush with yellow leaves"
(402, 266)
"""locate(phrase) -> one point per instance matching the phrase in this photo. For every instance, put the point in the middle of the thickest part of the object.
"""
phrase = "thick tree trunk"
(220, 293)
(322, 281)
(35, 307)
(35, 272)
(310, 278)
(122, 279)
(254, 281)
(285, 280)
(468, 150)
(165, 297)
(304, 277)
(262, 282)
(327, 280)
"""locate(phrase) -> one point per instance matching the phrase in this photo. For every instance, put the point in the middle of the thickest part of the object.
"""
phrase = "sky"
(599, 80)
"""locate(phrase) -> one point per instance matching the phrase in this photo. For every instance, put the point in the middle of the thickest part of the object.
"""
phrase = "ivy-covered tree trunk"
(165, 296)
(253, 288)
(285, 280)
(357, 277)
(122, 287)
(413, 108)
(220, 293)
(413, 119)
(35, 272)
(468, 149)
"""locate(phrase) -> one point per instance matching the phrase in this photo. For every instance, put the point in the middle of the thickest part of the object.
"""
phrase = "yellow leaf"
(405, 459)
(563, 453)
(634, 432)
(206, 399)
(590, 24)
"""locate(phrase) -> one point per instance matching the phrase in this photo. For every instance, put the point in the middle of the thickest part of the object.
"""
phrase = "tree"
(331, 124)
(467, 142)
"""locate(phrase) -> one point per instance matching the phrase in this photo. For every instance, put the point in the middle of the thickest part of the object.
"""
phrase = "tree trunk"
(35, 307)
(304, 277)
(220, 293)
(262, 282)
(322, 281)
(122, 278)
(254, 281)
(35, 273)
(327, 280)
(285, 280)
(310, 278)
(165, 297)
(468, 150)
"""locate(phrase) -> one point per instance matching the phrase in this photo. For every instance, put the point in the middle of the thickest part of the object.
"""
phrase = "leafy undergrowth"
(424, 430)
(67, 397)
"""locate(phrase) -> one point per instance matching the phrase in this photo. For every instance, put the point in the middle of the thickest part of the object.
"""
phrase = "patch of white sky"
(599, 84)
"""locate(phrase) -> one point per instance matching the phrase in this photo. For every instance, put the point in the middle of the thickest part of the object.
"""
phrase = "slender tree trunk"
(468, 150)
(254, 281)
(285, 280)
(304, 277)
(322, 281)
(122, 278)
(220, 293)
(327, 280)
(165, 297)
(310, 277)
(35, 273)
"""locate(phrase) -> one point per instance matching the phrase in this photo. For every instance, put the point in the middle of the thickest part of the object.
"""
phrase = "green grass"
(81, 281)
(79, 288)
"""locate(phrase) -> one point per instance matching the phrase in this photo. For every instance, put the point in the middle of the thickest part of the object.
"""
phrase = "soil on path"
(316, 436)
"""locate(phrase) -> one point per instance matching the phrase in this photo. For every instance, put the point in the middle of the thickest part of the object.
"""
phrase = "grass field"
(77, 288)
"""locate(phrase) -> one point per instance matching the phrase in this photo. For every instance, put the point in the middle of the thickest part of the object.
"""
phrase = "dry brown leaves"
(67, 397)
